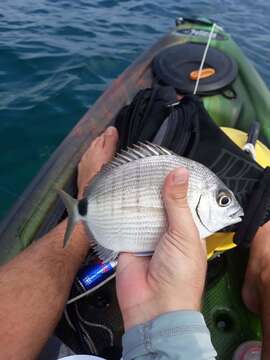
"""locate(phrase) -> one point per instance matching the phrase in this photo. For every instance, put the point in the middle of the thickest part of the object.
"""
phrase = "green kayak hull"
(38, 209)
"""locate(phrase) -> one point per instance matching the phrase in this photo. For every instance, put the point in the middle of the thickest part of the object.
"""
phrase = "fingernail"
(180, 176)
(110, 130)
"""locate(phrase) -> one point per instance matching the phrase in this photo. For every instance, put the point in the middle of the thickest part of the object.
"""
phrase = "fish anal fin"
(103, 253)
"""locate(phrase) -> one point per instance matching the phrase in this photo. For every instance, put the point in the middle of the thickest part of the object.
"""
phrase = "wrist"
(141, 313)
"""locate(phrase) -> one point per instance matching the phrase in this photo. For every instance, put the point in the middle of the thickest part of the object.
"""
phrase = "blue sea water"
(57, 57)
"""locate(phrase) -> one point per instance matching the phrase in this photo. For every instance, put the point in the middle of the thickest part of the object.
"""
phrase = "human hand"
(173, 279)
(256, 289)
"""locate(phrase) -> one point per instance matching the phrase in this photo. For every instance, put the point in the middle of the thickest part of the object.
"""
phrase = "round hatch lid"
(178, 66)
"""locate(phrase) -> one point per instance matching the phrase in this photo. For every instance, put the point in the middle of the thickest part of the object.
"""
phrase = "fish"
(123, 210)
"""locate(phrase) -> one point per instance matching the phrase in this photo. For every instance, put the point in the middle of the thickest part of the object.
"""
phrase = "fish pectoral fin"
(103, 253)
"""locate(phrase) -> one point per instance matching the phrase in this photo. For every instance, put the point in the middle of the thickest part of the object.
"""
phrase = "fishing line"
(203, 59)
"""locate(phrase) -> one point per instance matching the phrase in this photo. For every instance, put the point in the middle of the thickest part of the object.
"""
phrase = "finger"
(93, 143)
(101, 139)
(90, 149)
(175, 199)
(250, 292)
(110, 140)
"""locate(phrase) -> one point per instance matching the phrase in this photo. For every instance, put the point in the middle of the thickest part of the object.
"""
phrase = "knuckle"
(179, 196)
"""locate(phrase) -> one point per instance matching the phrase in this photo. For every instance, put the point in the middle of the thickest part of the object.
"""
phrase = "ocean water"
(57, 57)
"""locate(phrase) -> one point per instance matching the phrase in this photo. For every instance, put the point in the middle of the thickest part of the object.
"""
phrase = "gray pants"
(55, 349)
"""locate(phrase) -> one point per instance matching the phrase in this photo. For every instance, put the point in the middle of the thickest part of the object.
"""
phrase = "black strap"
(157, 111)
(255, 211)
(141, 120)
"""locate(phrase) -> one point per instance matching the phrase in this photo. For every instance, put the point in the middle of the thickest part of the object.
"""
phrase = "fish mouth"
(236, 217)
(237, 214)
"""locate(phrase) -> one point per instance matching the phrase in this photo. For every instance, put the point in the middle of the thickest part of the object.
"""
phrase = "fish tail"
(71, 205)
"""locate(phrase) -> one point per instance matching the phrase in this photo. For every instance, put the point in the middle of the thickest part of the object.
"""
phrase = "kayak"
(235, 106)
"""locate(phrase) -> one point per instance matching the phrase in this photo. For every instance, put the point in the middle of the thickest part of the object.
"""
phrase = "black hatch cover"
(174, 65)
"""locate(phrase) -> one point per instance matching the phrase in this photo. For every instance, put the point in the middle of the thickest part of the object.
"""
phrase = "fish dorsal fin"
(136, 152)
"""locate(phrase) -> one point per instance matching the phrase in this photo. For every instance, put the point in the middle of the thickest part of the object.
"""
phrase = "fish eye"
(224, 199)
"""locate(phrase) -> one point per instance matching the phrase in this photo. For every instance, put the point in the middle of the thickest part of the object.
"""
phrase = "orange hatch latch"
(205, 73)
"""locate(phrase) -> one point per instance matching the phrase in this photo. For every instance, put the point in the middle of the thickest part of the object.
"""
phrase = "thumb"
(175, 199)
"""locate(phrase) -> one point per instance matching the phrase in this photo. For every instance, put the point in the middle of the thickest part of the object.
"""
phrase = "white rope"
(91, 290)
(87, 338)
(250, 149)
(92, 324)
(89, 341)
(68, 320)
(203, 59)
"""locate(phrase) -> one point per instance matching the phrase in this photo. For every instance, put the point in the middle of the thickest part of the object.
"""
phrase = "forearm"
(34, 288)
(174, 335)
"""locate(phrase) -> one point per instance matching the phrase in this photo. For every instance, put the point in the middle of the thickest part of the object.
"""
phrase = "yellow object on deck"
(221, 242)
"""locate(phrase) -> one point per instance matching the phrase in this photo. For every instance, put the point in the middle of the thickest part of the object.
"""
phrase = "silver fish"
(123, 207)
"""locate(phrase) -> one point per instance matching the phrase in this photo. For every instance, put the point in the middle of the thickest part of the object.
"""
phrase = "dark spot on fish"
(82, 207)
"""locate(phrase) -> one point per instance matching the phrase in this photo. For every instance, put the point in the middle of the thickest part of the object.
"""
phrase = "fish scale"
(125, 210)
